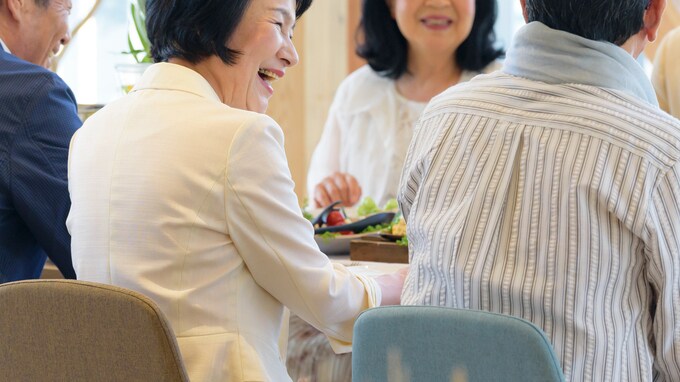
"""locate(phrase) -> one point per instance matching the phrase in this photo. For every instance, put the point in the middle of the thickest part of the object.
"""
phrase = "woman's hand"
(391, 285)
(338, 186)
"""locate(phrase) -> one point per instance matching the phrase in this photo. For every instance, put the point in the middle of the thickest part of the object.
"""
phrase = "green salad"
(368, 207)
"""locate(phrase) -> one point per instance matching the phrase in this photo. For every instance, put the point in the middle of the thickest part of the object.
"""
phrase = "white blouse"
(367, 133)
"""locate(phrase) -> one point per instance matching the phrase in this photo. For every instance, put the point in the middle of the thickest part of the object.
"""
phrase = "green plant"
(138, 41)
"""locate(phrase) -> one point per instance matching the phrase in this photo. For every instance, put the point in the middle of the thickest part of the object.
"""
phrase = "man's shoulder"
(516, 95)
(34, 100)
(617, 117)
(478, 88)
(22, 77)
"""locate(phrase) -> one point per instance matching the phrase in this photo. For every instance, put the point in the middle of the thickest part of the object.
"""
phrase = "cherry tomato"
(335, 218)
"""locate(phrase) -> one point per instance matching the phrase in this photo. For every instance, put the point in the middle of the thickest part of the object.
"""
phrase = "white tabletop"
(368, 268)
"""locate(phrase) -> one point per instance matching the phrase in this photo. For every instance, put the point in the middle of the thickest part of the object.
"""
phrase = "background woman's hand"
(338, 186)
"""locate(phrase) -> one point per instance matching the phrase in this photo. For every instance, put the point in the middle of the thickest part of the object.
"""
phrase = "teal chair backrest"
(428, 344)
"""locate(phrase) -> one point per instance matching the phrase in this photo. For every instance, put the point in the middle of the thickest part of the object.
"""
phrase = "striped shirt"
(558, 203)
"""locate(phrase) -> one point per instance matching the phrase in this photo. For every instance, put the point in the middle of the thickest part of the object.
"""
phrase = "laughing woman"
(181, 191)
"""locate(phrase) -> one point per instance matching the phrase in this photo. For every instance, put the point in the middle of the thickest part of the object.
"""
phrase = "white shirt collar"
(4, 46)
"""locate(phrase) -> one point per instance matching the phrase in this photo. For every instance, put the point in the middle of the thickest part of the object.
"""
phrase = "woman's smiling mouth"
(267, 76)
(436, 22)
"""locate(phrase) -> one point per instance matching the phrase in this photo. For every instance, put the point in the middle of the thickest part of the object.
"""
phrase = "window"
(88, 63)
(510, 19)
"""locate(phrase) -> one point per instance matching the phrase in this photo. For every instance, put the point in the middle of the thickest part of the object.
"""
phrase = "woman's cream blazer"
(190, 202)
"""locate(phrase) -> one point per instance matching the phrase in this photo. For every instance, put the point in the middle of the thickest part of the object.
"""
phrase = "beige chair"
(67, 330)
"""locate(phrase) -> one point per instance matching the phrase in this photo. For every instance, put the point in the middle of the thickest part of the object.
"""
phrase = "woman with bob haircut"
(415, 49)
(181, 191)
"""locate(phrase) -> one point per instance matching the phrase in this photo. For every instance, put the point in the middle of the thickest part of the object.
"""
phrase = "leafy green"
(377, 228)
(391, 204)
(403, 241)
(306, 214)
(367, 207)
(327, 236)
(138, 16)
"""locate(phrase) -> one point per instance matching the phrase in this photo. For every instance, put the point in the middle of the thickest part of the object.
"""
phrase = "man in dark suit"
(38, 116)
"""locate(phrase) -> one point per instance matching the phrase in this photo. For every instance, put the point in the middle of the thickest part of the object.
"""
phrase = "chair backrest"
(67, 330)
(429, 343)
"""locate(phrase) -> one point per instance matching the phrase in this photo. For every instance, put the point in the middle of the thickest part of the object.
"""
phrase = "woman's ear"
(523, 3)
(652, 18)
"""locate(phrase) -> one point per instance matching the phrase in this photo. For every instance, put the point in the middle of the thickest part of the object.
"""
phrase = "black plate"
(391, 237)
(359, 226)
(320, 219)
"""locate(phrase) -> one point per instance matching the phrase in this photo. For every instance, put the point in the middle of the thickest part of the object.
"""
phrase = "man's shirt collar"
(4, 46)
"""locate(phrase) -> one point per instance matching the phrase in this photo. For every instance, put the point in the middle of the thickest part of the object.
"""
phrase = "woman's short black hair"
(197, 29)
(386, 49)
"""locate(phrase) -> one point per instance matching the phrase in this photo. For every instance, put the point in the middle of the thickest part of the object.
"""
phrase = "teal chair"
(431, 344)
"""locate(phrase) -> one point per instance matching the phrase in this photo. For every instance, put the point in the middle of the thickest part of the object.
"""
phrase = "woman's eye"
(279, 24)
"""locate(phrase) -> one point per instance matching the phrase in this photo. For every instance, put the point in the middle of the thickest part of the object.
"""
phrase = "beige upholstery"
(67, 330)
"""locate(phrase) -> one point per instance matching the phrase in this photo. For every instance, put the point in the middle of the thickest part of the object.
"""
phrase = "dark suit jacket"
(38, 116)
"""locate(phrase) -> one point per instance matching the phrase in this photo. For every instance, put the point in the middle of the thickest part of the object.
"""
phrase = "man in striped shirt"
(551, 191)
